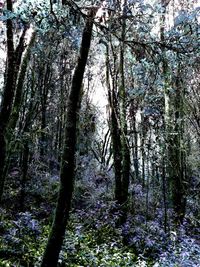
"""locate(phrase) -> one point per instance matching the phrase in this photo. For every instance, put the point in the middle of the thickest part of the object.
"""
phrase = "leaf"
(183, 17)
(7, 15)
(3, 18)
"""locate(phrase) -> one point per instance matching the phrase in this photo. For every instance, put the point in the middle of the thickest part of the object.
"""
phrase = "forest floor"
(94, 236)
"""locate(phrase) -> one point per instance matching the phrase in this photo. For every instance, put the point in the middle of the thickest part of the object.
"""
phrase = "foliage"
(80, 249)
(183, 253)
(95, 235)
(23, 239)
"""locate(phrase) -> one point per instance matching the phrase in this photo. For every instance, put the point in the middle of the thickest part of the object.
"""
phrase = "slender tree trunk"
(19, 88)
(164, 193)
(177, 157)
(135, 150)
(148, 183)
(115, 131)
(24, 168)
(44, 90)
(51, 254)
(123, 119)
(142, 144)
(17, 104)
(43, 134)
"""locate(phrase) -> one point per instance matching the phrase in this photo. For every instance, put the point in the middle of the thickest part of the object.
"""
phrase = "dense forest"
(99, 133)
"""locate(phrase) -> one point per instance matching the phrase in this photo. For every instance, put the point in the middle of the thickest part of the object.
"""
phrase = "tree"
(123, 112)
(14, 57)
(56, 236)
(174, 132)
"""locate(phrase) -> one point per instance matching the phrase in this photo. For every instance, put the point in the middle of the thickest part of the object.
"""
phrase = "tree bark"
(115, 131)
(173, 134)
(123, 119)
(177, 155)
(51, 254)
(19, 88)
(12, 69)
(24, 167)
(135, 149)
(8, 95)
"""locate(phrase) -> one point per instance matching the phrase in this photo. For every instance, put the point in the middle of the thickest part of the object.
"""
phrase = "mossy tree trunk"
(174, 128)
(56, 236)
(177, 155)
(12, 69)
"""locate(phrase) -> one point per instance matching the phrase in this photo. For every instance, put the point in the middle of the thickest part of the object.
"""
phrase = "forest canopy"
(99, 133)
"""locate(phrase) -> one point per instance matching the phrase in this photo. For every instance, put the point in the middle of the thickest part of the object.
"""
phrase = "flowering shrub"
(82, 247)
(22, 240)
(185, 253)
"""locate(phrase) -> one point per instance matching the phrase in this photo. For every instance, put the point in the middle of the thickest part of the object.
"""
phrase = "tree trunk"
(177, 157)
(164, 193)
(12, 70)
(8, 95)
(123, 119)
(135, 149)
(173, 134)
(115, 131)
(51, 254)
(46, 76)
(19, 88)
(24, 167)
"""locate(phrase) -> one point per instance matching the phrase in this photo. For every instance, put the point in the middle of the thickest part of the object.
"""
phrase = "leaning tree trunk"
(51, 254)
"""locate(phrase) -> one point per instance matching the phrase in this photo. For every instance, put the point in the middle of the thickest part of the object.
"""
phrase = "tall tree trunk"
(173, 133)
(17, 104)
(12, 69)
(177, 156)
(116, 143)
(118, 122)
(123, 119)
(51, 254)
(167, 107)
(114, 129)
(20, 84)
(8, 95)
